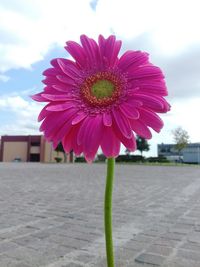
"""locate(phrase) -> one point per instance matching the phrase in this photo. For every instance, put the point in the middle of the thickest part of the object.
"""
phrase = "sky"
(33, 32)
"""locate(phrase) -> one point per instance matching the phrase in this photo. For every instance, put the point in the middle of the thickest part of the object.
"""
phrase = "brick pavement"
(51, 215)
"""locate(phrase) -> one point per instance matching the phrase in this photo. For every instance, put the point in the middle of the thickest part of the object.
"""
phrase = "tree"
(127, 152)
(181, 138)
(142, 144)
(60, 148)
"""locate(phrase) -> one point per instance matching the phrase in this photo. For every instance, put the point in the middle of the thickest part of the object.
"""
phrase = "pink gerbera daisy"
(99, 99)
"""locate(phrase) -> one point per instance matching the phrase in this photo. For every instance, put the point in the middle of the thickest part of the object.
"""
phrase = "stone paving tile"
(6, 261)
(179, 262)
(85, 258)
(166, 242)
(7, 246)
(30, 256)
(188, 255)
(72, 264)
(173, 236)
(51, 215)
(159, 250)
(151, 259)
(191, 246)
(194, 237)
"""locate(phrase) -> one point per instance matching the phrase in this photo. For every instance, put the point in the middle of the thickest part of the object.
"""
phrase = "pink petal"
(96, 53)
(94, 134)
(132, 59)
(109, 49)
(54, 63)
(102, 45)
(66, 127)
(77, 52)
(146, 71)
(82, 131)
(57, 97)
(112, 48)
(107, 119)
(69, 68)
(132, 89)
(89, 124)
(67, 140)
(129, 143)
(66, 80)
(78, 149)
(151, 101)
(133, 102)
(91, 49)
(129, 111)
(51, 121)
(43, 113)
(89, 135)
(151, 119)
(110, 144)
(93, 137)
(50, 90)
(141, 129)
(55, 121)
(115, 52)
(61, 107)
(51, 72)
(38, 98)
(63, 87)
(122, 123)
(152, 86)
(166, 105)
(80, 116)
(51, 80)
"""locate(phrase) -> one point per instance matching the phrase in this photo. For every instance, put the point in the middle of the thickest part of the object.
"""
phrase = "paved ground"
(51, 215)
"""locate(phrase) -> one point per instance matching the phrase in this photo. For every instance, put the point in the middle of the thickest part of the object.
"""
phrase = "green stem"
(108, 212)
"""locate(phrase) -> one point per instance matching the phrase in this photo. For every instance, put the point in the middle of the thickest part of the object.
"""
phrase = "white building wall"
(191, 154)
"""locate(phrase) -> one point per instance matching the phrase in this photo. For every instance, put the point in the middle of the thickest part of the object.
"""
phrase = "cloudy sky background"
(33, 32)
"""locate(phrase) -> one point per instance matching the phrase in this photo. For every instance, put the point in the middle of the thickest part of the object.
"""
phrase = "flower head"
(99, 99)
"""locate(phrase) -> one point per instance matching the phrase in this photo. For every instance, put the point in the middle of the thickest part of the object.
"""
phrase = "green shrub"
(130, 158)
(80, 159)
(58, 159)
(160, 159)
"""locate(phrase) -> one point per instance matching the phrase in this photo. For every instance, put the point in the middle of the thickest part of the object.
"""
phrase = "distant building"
(189, 154)
(31, 148)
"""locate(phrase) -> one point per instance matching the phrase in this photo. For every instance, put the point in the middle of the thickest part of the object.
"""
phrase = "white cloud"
(171, 24)
(185, 113)
(181, 70)
(23, 113)
(28, 29)
(13, 103)
(44, 25)
(182, 73)
(4, 78)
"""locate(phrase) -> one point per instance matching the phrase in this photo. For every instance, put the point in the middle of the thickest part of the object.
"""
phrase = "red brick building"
(31, 148)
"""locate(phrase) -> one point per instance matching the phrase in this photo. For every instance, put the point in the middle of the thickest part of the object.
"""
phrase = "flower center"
(101, 89)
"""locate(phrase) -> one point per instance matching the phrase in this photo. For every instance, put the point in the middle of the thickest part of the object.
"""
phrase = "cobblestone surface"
(51, 215)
